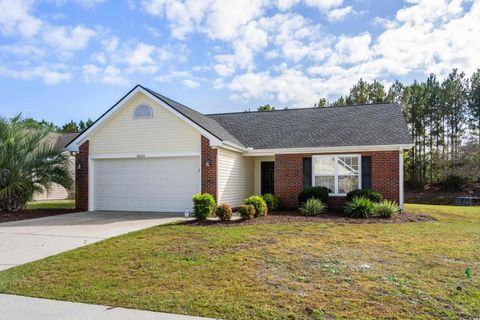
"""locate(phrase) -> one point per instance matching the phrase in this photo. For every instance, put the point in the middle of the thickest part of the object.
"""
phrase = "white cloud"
(68, 38)
(191, 83)
(15, 17)
(45, 73)
(89, 3)
(324, 5)
(110, 75)
(353, 49)
(339, 14)
(426, 36)
(20, 49)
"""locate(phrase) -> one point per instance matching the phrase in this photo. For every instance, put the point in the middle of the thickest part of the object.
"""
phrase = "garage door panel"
(151, 184)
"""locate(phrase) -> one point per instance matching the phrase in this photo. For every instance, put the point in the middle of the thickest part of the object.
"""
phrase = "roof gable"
(74, 144)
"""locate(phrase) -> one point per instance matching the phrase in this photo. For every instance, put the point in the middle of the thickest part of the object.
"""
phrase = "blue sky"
(72, 59)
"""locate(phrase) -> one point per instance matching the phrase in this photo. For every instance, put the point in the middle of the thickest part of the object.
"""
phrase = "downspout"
(400, 184)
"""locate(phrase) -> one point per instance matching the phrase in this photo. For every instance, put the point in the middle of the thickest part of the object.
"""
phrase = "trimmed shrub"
(359, 207)
(385, 209)
(272, 201)
(374, 196)
(203, 205)
(320, 193)
(259, 204)
(246, 211)
(312, 207)
(224, 212)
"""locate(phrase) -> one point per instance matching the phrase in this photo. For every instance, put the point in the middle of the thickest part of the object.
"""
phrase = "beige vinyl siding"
(258, 176)
(163, 133)
(56, 191)
(235, 177)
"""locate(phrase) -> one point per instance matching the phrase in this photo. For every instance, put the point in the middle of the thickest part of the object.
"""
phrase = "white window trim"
(335, 157)
(143, 117)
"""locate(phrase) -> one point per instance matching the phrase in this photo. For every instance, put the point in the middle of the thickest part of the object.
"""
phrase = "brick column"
(81, 177)
(209, 168)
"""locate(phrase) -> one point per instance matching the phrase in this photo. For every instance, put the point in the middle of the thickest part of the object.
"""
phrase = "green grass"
(51, 204)
(284, 271)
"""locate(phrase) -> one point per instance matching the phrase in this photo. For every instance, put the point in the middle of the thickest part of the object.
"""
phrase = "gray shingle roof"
(360, 125)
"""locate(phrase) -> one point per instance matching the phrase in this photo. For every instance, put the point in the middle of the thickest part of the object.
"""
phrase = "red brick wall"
(209, 174)
(81, 177)
(289, 176)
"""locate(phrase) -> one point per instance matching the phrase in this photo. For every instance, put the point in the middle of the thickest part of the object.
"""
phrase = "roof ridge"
(299, 109)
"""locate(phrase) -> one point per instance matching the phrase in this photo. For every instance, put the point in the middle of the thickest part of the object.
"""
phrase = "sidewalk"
(21, 308)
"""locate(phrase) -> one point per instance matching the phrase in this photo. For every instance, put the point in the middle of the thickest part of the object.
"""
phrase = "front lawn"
(276, 271)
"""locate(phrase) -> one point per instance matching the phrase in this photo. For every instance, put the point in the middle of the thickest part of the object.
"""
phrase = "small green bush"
(385, 209)
(374, 196)
(320, 193)
(312, 207)
(247, 211)
(259, 204)
(224, 212)
(359, 207)
(272, 201)
(203, 205)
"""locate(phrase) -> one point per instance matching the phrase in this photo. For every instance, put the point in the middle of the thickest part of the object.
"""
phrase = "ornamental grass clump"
(203, 205)
(385, 209)
(312, 207)
(359, 207)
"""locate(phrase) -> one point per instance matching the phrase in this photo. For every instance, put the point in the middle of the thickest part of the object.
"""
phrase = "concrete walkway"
(21, 308)
(28, 240)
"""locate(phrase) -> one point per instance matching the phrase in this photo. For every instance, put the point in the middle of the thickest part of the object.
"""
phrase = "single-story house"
(150, 153)
(56, 191)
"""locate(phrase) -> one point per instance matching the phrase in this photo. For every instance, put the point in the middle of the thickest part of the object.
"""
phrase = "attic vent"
(143, 111)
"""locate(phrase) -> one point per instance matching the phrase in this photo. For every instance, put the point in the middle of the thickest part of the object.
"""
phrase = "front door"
(267, 177)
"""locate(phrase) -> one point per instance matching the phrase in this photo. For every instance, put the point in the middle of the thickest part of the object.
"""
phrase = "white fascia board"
(214, 141)
(232, 146)
(270, 152)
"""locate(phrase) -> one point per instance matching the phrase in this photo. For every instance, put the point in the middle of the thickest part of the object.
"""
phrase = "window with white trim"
(339, 173)
(143, 111)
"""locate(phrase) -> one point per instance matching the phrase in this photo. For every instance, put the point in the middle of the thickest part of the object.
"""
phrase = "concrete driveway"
(30, 240)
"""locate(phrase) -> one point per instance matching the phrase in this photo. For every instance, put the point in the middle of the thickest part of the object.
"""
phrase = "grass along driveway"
(51, 204)
(302, 270)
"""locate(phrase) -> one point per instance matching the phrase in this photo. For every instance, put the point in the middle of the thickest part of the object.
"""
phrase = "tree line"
(68, 127)
(443, 117)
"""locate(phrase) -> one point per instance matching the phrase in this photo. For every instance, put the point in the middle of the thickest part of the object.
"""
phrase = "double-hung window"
(339, 173)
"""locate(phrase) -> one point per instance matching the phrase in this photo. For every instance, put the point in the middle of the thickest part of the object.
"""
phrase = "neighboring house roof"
(359, 125)
(61, 140)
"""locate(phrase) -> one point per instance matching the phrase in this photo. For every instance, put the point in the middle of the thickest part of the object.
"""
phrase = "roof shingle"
(360, 125)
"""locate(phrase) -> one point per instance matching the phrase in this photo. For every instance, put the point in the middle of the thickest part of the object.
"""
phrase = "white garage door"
(149, 184)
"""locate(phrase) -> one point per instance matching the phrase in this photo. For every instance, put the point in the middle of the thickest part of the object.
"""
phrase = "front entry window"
(340, 174)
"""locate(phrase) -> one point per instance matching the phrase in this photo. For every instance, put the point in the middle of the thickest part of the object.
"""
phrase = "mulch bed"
(295, 217)
(32, 214)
